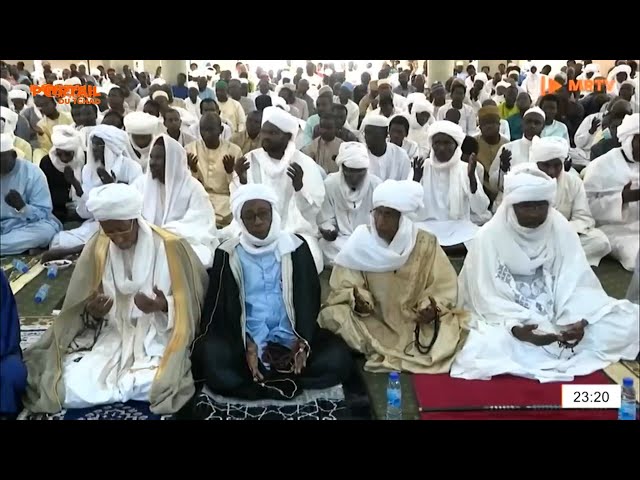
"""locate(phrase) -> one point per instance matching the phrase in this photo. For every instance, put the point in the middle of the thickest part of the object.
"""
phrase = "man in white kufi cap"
(387, 160)
(142, 127)
(129, 318)
(538, 309)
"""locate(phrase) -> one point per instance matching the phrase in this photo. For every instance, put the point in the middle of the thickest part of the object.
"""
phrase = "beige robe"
(324, 153)
(233, 113)
(385, 335)
(47, 124)
(214, 177)
(245, 143)
(173, 384)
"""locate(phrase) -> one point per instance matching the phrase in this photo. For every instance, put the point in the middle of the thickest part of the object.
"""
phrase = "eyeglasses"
(121, 233)
(263, 215)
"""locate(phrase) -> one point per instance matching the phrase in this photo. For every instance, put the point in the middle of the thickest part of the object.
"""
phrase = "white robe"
(572, 203)
(122, 364)
(496, 287)
(341, 214)
(519, 154)
(448, 201)
(394, 164)
(467, 117)
(584, 140)
(604, 179)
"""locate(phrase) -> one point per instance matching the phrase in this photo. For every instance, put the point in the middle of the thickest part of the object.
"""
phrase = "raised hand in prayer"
(525, 334)
(105, 178)
(229, 163)
(300, 358)
(98, 305)
(574, 333)
(241, 166)
(329, 235)
(148, 305)
(295, 174)
(71, 179)
(595, 123)
(505, 160)
(568, 163)
(192, 161)
(362, 306)
(628, 195)
(14, 199)
(418, 168)
(252, 361)
(471, 172)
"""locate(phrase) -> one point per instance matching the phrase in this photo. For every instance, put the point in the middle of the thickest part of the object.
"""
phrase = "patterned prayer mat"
(117, 411)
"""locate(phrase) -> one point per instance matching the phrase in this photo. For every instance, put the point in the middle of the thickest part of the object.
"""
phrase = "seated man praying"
(324, 149)
(550, 154)
(538, 310)
(387, 160)
(259, 334)
(141, 128)
(394, 291)
(348, 200)
(452, 188)
(175, 201)
(612, 182)
(128, 320)
(26, 212)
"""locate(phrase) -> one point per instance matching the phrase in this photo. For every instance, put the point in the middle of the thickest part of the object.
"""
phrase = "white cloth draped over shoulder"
(420, 133)
(68, 139)
(180, 205)
(515, 276)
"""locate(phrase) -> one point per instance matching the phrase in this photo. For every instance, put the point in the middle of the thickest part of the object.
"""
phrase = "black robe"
(59, 188)
(218, 354)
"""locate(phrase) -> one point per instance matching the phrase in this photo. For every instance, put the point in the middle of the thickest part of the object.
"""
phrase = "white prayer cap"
(405, 196)
(11, 119)
(5, 83)
(629, 127)
(527, 183)
(193, 85)
(66, 137)
(160, 93)
(58, 82)
(328, 72)
(140, 123)
(16, 94)
(115, 139)
(21, 87)
(95, 72)
(482, 77)
(6, 142)
(548, 148)
(374, 120)
(415, 97)
(448, 128)
(281, 119)
(246, 81)
(72, 81)
(592, 67)
(512, 72)
(504, 84)
(537, 110)
(353, 155)
(422, 106)
(252, 191)
(158, 81)
(115, 201)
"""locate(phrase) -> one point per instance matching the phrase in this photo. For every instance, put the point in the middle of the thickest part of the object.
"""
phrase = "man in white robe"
(533, 83)
(387, 161)
(538, 310)
(550, 154)
(468, 115)
(107, 162)
(620, 73)
(292, 174)
(420, 118)
(142, 127)
(612, 182)
(175, 201)
(348, 201)
(452, 188)
(516, 152)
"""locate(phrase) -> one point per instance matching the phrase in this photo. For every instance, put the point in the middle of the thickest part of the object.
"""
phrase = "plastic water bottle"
(394, 397)
(52, 272)
(628, 401)
(20, 266)
(41, 294)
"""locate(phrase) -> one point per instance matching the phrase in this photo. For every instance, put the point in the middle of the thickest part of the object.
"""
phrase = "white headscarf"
(277, 241)
(629, 128)
(140, 123)
(548, 148)
(115, 201)
(116, 142)
(67, 138)
(281, 119)
(365, 250)
(353, 155)
(420, 106)
(6, 142)
(375, 120)
(10, 120)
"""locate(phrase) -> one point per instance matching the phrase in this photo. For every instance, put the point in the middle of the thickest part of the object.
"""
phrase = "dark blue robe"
(13, 373)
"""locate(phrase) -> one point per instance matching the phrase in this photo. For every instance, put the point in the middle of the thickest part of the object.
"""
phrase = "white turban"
(527, 183)
(140, 123)
(6, 142)
(504, 84)
(115, 139)
(95, 72)
(17, 94)
(251, 191)
(619, 69)
(374, 120)
(416, 97)
(280, 102)
(629, 128)
(405, 196)
(548, 148)
(65, 137)
(592, 67)
(422, 106)
(537, 110)
(448, 128)
(512, 72)
(482, 77)
(158, 81)
(21, 87)
(159, 93)
(5, 83)
(72, 81)
(353, 155)
(193, 85)
(246, 81)
(10, 118)
(281, 119)
(115, 201)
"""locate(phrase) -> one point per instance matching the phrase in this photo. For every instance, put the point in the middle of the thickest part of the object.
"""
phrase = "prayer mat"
(117, 411)
(441, 394)
(29, 334)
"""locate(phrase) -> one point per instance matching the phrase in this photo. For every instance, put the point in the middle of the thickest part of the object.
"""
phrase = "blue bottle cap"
(394, 376)
(627, 382)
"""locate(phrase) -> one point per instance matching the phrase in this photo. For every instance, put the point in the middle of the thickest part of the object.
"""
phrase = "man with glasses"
(129, 317)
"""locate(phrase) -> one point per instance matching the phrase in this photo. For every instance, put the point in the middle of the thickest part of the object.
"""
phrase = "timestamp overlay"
(591, 396)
